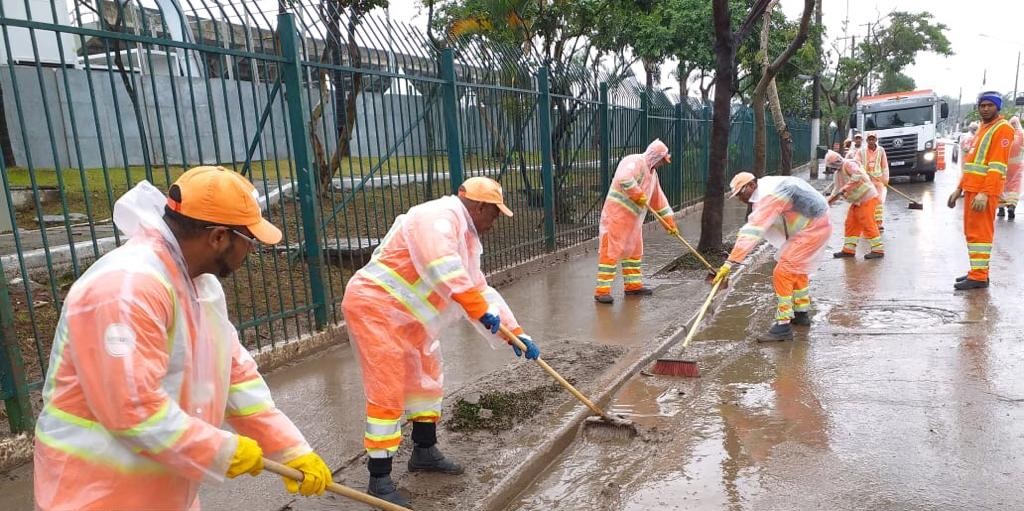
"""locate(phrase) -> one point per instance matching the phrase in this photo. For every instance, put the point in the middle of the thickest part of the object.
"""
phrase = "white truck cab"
(907, 127)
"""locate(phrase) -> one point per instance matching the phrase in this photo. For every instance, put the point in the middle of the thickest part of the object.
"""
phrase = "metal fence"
(342, 122)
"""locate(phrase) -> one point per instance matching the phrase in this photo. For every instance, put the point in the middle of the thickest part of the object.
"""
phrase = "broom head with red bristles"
(676, 367)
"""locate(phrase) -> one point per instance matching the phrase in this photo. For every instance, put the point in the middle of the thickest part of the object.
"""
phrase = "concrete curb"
(532, 466)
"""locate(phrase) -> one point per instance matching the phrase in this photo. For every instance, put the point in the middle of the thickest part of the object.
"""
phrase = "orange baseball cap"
(739, 181)
(484, 189)
(224, 197)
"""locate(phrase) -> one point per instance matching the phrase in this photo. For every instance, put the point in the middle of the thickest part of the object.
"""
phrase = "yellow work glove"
(953, 197)
(642, 201)
(316, 475)
(723, 272)
(248, 458)
(979, 202)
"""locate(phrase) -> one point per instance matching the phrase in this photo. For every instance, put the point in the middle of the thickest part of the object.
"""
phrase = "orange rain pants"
(792, 289)
(979, 229)
(860, 223)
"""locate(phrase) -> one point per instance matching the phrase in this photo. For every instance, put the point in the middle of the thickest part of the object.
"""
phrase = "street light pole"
(816, 96)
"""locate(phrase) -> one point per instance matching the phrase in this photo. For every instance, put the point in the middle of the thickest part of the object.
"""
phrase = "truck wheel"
(929, 177)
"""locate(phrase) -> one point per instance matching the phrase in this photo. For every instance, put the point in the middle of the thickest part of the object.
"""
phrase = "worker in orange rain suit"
(1015, 163)
(396, 307)
(857, 146)
(145, 364)
(984, 171)
(793, 217)
(875, 162)
(621, 234)
(967, 141)
(853, 183)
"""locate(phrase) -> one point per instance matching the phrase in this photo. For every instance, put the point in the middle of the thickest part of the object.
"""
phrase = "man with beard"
(146, 365)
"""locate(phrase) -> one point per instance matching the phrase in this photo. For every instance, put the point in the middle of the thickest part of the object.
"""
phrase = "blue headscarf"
(992, 96)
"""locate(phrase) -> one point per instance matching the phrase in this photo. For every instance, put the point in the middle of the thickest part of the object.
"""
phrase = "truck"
(907, 126)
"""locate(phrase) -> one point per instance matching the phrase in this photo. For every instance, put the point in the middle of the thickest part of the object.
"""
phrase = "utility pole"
(1016, 77)
(816, 95)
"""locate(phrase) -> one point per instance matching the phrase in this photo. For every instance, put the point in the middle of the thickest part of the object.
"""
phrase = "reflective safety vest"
(863, 189)
(984, 167)
(873, 168)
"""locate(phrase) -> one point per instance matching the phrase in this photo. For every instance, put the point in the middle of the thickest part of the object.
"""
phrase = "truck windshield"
(886, 119)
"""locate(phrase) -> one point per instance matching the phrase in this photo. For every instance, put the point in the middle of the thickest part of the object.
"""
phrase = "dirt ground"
(483, 451)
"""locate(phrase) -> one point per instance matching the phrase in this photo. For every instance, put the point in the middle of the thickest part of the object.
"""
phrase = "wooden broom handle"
(680, 237)
(700, 315)
(905, 196)
(514, 340)
(333, 487)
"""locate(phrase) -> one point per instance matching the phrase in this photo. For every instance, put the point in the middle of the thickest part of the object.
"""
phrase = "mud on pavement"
(528, 401)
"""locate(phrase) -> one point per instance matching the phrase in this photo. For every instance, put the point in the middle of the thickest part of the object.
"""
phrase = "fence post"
(705, 129)
(297, 121)
(679, 145)
(546, 169)
(645, 107)
(450, 102)
(606, 141)
(13, 386)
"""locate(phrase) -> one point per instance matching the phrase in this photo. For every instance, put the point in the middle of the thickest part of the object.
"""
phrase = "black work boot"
(381, 485)
(778, 332)
(1011, 213)
(964, 277)
(966, 284)
(801, 318)
(644, 291)
(874, 255)
(1001, 212)
(842, 254)
(426, 457)
(605, 299)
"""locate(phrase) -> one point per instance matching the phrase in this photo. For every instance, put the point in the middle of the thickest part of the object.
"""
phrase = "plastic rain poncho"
(622, 217)
(851, 181)
(786, 211)
(144, 369)
(1015, 163)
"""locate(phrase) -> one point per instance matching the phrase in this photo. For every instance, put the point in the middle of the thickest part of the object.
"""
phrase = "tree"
(895, 81)
(890, 46)
(766, 84)
(726, 42)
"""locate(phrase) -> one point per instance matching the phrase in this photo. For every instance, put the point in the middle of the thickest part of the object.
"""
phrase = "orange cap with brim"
(221, 196)
(484, 189)
(739, 181)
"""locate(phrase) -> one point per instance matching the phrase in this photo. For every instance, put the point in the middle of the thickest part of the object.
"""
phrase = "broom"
(913, 203)
(680, 237)
(333, 487)
(682, 367)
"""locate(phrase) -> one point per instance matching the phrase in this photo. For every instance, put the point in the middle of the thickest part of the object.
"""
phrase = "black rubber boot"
(964, 277)
(801, 318)
(1011, 213)
(778, 332)
(841, 254)
(605, 299)
(874, 255)
(426, 457)
(381, 485)
(966, 284)
(644, 291)
(1001, 212)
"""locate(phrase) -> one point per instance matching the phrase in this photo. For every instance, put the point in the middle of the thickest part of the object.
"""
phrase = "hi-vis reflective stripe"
(157, 433)
(665, 212)
(88, 440)
(625, 201)
(249, 398)
(629, 183)
(413, 296)
(383, 430)
(979, 166)
(445, 269)
(751, 232)
(979, 248)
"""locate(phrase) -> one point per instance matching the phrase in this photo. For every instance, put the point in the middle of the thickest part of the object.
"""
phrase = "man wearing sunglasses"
(146, 364)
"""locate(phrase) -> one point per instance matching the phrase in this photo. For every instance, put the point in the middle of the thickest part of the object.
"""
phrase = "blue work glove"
(532, 351)
(491, 322)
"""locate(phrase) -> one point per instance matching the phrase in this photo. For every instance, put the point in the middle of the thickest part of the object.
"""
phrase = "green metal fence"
(342, 122)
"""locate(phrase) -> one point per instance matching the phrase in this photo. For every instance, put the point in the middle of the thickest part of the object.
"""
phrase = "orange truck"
(907, 126)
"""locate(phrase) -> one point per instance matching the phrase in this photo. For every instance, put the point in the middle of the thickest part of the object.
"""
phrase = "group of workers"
(146, 365)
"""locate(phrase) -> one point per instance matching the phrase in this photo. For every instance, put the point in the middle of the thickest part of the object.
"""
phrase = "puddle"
(890, 316)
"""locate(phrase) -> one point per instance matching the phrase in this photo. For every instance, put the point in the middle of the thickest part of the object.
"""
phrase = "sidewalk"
(323, 395)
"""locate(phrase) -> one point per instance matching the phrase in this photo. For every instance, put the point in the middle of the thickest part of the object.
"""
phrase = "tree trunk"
(785, 137)
(714, 197)
(760, 135)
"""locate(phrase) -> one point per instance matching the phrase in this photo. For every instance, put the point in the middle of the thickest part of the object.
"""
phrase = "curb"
(533, 465)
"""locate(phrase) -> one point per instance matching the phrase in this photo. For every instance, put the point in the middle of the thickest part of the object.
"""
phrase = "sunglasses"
(252, 241)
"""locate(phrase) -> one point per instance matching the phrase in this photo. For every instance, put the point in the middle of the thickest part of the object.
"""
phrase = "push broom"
(333, 487)
(913, 203)
(680, 237)
(683, 367)
(620, 425)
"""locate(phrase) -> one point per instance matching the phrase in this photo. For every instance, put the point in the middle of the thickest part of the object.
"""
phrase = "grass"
(498, 411)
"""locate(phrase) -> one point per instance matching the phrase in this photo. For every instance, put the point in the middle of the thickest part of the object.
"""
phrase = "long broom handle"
(905, 196)
(514, 339)
(333, 487)
(700, 315)
(680, 237)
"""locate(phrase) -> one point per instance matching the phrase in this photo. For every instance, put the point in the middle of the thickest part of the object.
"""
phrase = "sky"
(982, 39)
